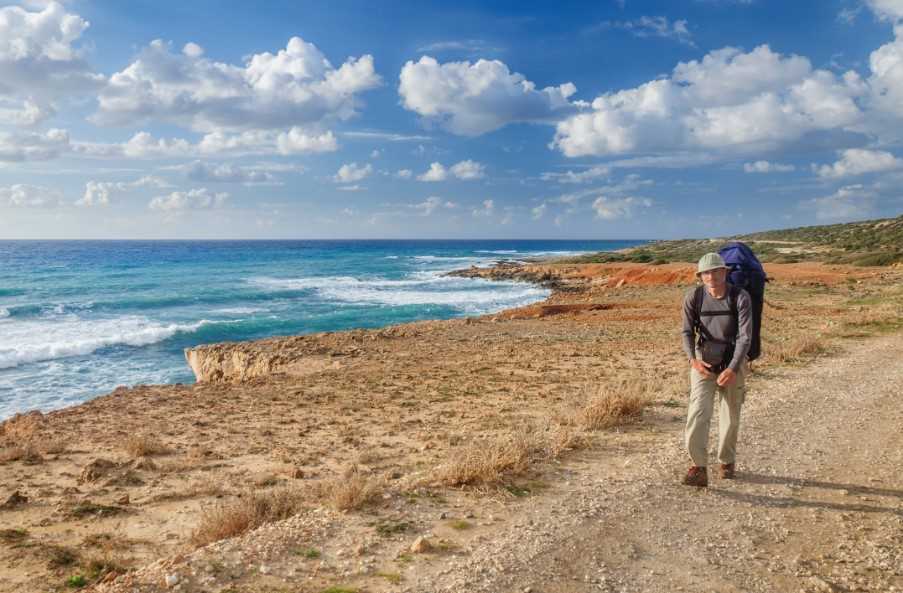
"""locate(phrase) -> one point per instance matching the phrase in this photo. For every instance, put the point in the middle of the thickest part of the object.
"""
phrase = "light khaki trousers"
(699, 416)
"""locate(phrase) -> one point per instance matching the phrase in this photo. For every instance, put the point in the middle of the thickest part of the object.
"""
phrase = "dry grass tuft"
(796, 350)
(179, 466)
(145, 446)
(57, 556)
(491, 463)
(55, 446)
(249, 511)
(8, 454)
(561, 438)
(488, 463)
(621, 405)
(27, 455)
(352, 490)
(13, 536)
(195, 490)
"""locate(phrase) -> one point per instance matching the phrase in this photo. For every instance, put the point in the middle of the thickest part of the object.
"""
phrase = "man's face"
(716, 278)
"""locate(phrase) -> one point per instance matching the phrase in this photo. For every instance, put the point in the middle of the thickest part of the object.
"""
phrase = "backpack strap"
(698, 295)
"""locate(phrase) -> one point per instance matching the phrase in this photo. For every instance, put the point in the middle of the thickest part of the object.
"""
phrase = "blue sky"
(606, 120)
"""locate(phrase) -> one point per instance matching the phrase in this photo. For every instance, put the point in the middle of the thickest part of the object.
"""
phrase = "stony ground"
(817, 505)
(396, 404)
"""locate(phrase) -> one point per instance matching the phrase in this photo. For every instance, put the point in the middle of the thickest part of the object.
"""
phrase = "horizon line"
(341, 239)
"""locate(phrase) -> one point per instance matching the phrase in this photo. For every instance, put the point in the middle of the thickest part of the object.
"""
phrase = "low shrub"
(351, 490)
(247, 512)
(145, 446)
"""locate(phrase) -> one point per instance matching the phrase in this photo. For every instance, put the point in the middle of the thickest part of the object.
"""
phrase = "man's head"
(712, 271)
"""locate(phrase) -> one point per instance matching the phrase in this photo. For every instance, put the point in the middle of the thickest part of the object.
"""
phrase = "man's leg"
(699, 415)
(730, 400)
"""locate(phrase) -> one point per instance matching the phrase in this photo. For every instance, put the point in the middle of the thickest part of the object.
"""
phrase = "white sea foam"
(4, 312)
(499, 251)
(340, 282)
(63, 308)
(556, 253)
(37, 340)
(446, 258)
(426, 287)
(471, 301)
(240, 310)
(448, 263)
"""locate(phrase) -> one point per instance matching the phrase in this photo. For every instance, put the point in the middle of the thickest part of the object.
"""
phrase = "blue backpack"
(746, 272)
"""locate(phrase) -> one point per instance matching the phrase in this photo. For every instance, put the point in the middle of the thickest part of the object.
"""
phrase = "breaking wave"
(35, 341)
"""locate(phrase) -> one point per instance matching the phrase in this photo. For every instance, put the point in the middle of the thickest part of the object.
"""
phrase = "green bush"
(76, 581)
(878, 259)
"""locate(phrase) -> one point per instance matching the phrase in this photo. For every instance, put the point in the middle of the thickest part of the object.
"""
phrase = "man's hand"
(726, 378)
(701, 367)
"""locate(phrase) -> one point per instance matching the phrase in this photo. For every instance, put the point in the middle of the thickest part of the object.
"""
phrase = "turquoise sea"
(78, 318)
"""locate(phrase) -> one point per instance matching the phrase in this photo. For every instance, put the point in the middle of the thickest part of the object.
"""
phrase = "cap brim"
(699, 273)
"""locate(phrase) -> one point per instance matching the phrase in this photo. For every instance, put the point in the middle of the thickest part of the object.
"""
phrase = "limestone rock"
(421, 545)
(235, 363)
(96, 470)
(144, 463)
(15, 500)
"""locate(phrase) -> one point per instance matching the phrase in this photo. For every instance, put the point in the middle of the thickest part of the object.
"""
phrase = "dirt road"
(817, 504)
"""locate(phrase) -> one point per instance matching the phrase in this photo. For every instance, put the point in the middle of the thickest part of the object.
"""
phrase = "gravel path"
(817, 505)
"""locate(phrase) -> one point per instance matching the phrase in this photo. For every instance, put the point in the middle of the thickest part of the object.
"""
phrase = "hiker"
(717, 332)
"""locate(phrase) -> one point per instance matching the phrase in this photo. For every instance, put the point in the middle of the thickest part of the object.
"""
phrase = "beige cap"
(709, 261)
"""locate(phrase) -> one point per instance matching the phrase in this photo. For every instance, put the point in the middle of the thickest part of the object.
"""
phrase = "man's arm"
(744, 330)
(688, 332)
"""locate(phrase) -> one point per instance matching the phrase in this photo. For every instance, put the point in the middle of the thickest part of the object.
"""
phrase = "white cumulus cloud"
(98, 193)
(33, 146)
(891, 10)
(297, 86)
(39, 61)
(25, 113)
(848, 202)
(858, 161)
(436, 172)
(193, 199)
(615, 208)
(296, 141)
(767, 167)
(728, 100)
(470, 99)
(466, 170)
(885, 83)
(433, 203)
(23, 195)
(228, 173)
(591, 174)
(487, 209)
(144, 145)
(352, 172)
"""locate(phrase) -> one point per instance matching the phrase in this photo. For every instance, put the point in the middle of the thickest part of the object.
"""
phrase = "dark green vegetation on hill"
(867, 243)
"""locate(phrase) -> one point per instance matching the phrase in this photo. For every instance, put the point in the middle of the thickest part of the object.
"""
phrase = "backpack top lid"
(739, 255)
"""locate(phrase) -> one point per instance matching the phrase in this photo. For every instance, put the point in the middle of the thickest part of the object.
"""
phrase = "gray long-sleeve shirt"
(722, 327)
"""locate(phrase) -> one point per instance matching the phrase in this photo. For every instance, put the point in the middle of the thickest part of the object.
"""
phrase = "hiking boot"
(697, 476)
(727, 471)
